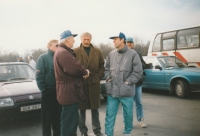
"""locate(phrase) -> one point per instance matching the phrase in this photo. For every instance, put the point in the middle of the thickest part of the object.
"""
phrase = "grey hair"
(63, 40)
(86, 34)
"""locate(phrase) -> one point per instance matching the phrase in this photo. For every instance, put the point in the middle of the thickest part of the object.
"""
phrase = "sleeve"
(107, 68)
(40, 74)
(70, 64)
(137, 71)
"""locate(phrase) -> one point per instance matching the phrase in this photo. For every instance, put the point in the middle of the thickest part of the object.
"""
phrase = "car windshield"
(171, 61)
(16, 72)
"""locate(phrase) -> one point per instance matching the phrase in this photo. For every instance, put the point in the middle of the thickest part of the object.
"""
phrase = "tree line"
(105, 48)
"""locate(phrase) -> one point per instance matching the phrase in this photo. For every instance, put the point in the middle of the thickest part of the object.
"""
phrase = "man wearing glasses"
(46, 82)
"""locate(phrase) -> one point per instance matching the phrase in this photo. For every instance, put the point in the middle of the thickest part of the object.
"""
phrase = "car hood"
(18, 88)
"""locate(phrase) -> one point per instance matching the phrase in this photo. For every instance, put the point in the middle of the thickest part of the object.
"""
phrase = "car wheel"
(181, 89)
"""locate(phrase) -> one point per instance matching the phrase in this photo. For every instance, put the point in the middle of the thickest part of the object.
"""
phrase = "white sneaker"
(127, 134)
(142, 124)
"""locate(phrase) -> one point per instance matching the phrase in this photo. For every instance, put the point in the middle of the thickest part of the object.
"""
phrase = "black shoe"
(84, 134)
(98, 134)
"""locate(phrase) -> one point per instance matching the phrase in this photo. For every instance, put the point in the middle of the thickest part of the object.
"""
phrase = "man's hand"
(108, 80)
(126, 83)
(88, 73)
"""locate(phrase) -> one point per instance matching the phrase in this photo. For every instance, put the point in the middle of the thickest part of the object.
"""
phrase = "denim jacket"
(122, 66)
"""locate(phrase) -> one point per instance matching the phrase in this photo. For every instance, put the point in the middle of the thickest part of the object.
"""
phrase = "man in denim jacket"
(123, 70)
(138, 89)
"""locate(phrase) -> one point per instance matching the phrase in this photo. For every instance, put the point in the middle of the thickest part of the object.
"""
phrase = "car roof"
(12, 63)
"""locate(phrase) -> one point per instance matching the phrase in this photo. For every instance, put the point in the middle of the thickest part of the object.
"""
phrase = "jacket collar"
(68, 49)
(124, 49)
(91, 55)
(51, 52)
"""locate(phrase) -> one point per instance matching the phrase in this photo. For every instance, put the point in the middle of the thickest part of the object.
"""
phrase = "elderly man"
(138, 89)
(46, 82)
(92, 58)
(31, 62)
(123, 70)
(69, 83)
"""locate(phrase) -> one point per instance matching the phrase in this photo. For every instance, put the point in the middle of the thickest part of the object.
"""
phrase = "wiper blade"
(20, 78)
(169, 67)
(4, 80)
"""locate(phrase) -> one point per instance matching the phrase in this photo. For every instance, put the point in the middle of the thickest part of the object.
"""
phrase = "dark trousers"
(51, 112)
(69, 120)
(96, 126)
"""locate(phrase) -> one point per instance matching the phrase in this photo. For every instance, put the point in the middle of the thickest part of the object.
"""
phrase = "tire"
(181, 89)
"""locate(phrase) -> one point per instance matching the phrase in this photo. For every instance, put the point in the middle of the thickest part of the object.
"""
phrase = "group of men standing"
(69, 80)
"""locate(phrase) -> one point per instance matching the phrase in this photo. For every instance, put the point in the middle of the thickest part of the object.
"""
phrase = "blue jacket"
(45, 76)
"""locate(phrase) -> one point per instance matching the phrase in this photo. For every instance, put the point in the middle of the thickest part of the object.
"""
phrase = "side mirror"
(158, 67)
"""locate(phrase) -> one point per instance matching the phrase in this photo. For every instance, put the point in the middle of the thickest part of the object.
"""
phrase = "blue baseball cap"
(129, 39)
(121, 35)
(66, 34)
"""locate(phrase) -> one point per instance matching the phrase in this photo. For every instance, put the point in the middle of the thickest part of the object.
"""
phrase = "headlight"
(5, 102)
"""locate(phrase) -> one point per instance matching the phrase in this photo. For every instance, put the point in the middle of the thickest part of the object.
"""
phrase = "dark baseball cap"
(121, 35)
(66, 34)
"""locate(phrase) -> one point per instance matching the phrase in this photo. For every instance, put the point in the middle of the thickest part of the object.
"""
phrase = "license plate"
(31, 107)
(102, 81)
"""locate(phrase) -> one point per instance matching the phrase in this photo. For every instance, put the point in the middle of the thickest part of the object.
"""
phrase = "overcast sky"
(30, 24)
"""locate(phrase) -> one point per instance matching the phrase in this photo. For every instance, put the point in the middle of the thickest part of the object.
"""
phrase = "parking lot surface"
(164, 114)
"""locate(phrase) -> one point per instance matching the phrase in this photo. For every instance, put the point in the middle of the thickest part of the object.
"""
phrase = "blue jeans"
(138, 102)
(111, 112)
(69, 120)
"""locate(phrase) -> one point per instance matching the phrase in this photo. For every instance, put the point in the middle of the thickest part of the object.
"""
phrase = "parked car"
(19, 95)
(170, 73)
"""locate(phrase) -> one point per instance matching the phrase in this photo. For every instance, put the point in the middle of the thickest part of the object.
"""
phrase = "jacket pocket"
(78, 91)
(95, 79)
(126, 90)
(108, 86)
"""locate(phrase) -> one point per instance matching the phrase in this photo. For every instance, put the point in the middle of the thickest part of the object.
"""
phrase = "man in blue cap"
(69, 75)
(138, 89)
(123, 70)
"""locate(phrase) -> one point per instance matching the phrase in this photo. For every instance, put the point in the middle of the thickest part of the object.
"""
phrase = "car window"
(151, 62)
(171, 61)
(16, 71)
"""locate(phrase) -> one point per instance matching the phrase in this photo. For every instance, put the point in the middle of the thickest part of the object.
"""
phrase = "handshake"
(88, 73)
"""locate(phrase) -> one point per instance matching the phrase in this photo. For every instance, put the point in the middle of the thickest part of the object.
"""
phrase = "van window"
(156, 44)
(188, 38)
(169, 35)
(168, 44)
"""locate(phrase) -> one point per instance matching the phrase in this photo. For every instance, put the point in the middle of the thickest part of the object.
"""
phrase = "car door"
(154, 78)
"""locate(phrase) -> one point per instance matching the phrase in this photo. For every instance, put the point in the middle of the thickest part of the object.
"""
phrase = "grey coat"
(122, 66)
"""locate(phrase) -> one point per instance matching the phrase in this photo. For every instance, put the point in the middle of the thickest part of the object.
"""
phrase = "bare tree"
(106, 49)
(8, 56)
(35, 53)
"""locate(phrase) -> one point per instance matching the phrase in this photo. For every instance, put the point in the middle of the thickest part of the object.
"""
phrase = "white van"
(182, 43)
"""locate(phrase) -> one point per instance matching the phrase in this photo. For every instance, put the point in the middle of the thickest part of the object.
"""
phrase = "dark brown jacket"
(95, 64)
(69, 76)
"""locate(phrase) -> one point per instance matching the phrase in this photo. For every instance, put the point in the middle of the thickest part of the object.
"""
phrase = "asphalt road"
(164, 114)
